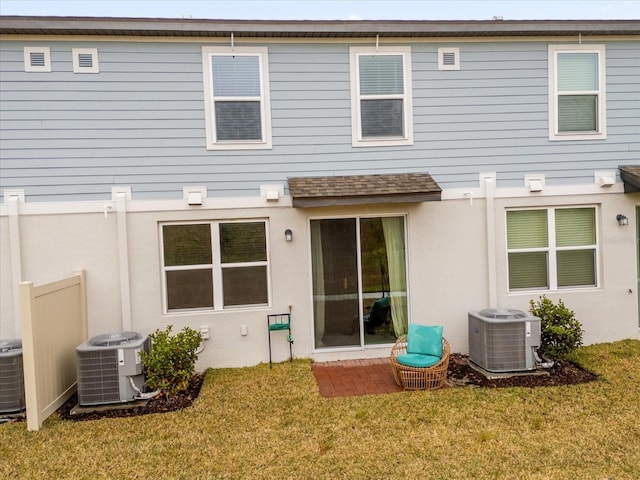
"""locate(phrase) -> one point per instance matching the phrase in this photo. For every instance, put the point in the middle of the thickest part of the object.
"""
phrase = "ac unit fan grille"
(498, 346)
(11, 384)
(98, 377)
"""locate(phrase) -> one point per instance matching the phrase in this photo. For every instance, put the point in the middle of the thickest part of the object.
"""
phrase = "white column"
(13, 200)
(489, 183)
(123, 255)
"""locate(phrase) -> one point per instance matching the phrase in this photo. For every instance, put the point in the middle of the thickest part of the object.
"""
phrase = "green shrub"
(172, 360)
(561, 332)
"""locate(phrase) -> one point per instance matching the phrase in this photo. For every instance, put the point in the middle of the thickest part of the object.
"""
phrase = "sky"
(332, 9)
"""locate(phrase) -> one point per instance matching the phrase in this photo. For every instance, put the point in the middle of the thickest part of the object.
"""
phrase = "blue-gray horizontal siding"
(140, 121)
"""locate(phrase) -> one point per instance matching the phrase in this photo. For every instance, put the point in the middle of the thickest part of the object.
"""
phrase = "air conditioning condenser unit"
(110, 369)
(11, 376)
(503, 340)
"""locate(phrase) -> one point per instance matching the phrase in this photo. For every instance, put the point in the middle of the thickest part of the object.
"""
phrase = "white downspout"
(123, 254)
(13, 200)
(489, 180)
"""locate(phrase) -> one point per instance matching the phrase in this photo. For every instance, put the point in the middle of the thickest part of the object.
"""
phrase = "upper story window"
(577, 104)
(214, 265)
(237, 106)
(381, 107)
(552, 248)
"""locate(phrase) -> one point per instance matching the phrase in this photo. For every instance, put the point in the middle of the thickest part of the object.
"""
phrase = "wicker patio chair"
(422, 378)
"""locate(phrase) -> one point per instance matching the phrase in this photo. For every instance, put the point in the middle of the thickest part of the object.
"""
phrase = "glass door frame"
(357, 218)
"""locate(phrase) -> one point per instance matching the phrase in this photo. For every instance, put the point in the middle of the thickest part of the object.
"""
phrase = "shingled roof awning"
(363, 189)
(630, 175)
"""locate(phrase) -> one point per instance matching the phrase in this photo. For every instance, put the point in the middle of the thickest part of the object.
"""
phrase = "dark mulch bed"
(565, 373)
(159, 404)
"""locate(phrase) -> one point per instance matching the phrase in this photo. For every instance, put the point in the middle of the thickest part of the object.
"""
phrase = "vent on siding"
(449, 58)
(85, 60)
(37, 59)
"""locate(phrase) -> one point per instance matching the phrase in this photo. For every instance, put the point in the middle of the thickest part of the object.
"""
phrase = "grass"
(262, 423)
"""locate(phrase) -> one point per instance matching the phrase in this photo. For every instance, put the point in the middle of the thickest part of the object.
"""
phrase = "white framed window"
(214, 265)
(552, 248)
(85, 60)
(448, 58)
(236, 93)
(37, 59)
(577, 103)
(381, 104)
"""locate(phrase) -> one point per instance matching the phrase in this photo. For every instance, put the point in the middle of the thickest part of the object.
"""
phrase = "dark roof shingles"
(630, 175)
(363, 189)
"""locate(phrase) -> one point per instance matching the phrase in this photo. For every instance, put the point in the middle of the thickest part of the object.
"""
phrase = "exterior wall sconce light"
(288, 235)
(622, 220)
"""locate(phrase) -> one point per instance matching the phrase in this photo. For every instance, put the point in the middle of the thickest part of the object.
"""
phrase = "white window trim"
(441, 53)
(356, 130)
(77, 68)
(265, 100)
(27, 59)
(216, 266)
(601, 119)
(552, 249)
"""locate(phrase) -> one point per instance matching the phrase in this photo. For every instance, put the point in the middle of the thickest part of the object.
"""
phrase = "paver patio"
(346, 378)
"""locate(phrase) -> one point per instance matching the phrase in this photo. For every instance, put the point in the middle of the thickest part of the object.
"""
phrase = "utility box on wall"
(503, 340)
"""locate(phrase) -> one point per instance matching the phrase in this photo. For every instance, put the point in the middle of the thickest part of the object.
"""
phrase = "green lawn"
(262, 423)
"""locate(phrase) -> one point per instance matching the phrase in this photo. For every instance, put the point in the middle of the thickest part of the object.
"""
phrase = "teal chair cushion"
(417, 360)
(425, 340)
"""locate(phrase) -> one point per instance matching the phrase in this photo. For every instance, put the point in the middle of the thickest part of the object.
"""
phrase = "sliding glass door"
(359, 281)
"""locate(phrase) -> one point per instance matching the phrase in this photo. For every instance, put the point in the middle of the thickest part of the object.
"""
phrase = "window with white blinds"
(380, 96)
(237, 97)
(550, 249)
(576, 92)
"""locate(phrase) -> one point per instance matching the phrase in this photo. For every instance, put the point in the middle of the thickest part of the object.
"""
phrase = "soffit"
(363, 189)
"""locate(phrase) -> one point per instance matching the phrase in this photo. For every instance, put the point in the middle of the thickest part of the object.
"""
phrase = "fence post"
(29, 356)
(83, 304)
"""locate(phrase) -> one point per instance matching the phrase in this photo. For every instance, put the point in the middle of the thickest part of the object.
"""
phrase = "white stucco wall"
(609, 312)
(448, 271)
(227, 347)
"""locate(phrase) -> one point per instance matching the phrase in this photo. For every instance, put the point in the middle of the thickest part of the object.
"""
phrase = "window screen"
(237, 97)
(381, 81)
(200, 274)
(551, 248)
(578, 92)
